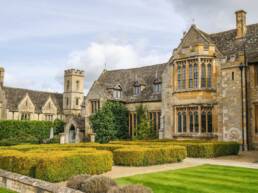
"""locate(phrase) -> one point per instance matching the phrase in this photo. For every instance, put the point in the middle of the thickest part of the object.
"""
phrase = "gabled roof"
(194, 36)
(126, 79)
(38, 98)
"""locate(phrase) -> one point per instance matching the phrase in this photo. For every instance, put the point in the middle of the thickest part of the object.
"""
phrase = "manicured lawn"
(201, 179)
(5, 191)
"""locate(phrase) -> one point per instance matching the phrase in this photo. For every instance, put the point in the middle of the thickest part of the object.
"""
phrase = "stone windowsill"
(195, 90)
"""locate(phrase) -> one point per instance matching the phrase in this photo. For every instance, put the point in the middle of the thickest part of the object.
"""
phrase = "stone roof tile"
(39, 98)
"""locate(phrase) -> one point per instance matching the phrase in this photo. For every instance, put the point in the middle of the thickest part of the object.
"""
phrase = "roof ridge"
(31, 90)
(135, 68)
(231, 30)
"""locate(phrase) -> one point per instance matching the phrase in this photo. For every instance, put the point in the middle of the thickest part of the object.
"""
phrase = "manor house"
(208, 89)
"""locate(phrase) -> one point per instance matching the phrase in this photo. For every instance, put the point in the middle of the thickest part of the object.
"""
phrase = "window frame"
(196, 76)
(179, 76)
(203, 76)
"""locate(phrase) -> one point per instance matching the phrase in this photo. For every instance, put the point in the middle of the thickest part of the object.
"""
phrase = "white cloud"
(115, 55)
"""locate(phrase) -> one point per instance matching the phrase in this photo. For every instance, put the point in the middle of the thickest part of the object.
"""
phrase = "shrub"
(54, 165)
(97, 184)
(130, 189)
(214, 149)
(148, 156)
(75, 182)
(60, 168)
(16, 132)
(110, 122)
(197, 149)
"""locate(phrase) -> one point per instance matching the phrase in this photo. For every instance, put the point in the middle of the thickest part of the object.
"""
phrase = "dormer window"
(157, 86)
(137, 90)
(117, 94)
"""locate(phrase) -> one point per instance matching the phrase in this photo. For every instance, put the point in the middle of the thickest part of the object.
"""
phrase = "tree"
(110, 122)
(144, 130)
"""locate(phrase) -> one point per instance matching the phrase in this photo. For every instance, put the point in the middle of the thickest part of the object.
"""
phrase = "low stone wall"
(24, 184)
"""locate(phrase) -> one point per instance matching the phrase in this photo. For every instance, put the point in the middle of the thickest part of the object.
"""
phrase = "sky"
(40, 39)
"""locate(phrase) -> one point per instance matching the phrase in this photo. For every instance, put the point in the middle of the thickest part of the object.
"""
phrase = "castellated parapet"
(74, 72)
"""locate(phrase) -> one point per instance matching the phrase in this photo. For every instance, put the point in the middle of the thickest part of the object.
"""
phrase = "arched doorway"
(72, 134)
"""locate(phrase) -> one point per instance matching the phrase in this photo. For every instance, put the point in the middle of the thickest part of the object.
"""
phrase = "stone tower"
(73, 92)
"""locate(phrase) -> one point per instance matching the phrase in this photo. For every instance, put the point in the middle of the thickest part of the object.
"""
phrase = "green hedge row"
(14, 132)
(148, 156)
(56, 166)
(210, 150)
(196, 149)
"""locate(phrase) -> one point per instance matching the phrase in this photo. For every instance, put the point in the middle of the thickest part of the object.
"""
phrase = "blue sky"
(40, 39)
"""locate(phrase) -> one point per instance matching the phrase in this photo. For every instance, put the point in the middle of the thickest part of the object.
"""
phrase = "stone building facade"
(207, 89)
(24, 104)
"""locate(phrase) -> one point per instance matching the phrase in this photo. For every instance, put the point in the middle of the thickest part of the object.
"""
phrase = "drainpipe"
(241, 67)
(246, 102)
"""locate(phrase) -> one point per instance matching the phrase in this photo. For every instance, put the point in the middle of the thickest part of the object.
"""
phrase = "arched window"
(203, 119)
(183, 76)
(77, 85)
(196, 122)
(196, 76)
(191, 118)
(179, 76)
(67, 85)
(179, 120)
(209, 119)
(190, 76)
(209, 76)
(184, 122)
(203, 80)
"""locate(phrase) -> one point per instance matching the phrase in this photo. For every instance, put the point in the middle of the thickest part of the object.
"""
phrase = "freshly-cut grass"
(2, 190)
(201, 179)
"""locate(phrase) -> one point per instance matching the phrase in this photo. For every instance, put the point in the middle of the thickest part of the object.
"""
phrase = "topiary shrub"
(130, 189)
(56, 165)
(97, 184)
(75, 182)
(148, 156)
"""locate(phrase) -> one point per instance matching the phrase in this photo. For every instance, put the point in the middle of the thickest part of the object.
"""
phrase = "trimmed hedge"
(55, 166)
(14, 132)
(196, 149)
(148, 156)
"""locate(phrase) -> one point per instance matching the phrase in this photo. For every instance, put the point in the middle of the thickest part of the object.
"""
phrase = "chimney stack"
(1, 77)
(240, 24)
